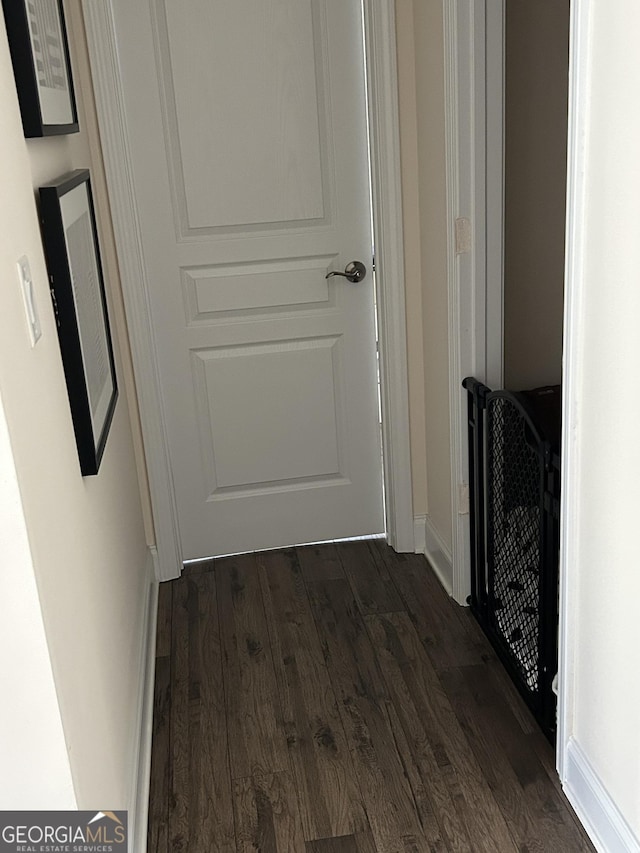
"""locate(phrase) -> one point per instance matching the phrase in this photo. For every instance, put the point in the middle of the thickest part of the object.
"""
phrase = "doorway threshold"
(283, 547)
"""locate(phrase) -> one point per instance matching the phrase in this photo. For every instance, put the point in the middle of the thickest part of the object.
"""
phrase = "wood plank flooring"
(333, 699)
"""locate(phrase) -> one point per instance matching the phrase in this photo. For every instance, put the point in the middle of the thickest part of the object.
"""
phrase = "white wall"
(602, 416)
(86, 535)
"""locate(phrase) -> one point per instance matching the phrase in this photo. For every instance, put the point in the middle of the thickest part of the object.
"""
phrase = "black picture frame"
(77, 290)
(41, 66)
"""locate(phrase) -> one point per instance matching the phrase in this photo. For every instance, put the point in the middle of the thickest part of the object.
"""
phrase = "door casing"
(474, 104)
(476, 319)
(380, 48)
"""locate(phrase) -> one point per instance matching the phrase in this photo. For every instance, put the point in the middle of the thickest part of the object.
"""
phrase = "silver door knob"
(354, 271)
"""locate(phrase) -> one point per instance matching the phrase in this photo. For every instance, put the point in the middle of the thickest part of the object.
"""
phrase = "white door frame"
(380, 42)
(572, 373)
(495, 100)
(474, 69)
(476, 305)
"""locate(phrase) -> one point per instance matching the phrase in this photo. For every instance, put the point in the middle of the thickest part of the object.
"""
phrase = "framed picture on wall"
(41, 66)
(77, 290)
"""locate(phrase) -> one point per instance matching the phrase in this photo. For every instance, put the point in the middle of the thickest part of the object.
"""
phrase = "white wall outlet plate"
(26, 282)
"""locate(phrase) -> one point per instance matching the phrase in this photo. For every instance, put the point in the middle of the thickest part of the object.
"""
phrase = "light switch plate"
(26, 282)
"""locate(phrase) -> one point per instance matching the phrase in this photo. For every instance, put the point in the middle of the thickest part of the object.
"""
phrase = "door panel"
(293, 383)
(261, 288)
(263, 128)
(247, 130)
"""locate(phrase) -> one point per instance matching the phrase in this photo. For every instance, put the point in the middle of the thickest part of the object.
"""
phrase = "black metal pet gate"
(514, 474)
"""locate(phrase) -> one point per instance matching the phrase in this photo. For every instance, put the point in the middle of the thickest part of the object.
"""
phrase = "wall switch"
(33, 321)
(463, 235)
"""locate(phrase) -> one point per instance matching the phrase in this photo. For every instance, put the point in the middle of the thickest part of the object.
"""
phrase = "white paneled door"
(248, 139)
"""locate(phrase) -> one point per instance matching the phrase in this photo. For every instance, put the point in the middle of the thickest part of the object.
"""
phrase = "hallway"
(333, 699)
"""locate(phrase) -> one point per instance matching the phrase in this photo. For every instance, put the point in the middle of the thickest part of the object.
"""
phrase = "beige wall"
(31, 734)
(422, 117)
(537, 58)
(429, 43)
(412, 250)
(86, 535)
(82, 144)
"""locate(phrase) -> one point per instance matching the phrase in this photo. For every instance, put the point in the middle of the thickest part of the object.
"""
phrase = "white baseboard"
(429, 542)
(593, 804)
(141, 752)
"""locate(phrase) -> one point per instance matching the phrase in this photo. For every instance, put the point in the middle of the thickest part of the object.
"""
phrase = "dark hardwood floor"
(333, 699)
